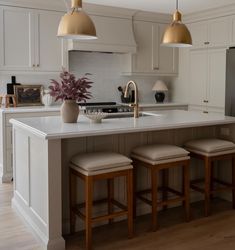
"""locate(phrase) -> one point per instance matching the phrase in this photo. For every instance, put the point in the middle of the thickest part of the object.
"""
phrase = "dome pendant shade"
(77, 24)
(177, 33)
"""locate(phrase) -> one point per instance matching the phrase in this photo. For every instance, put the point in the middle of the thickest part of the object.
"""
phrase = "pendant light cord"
(177, 4)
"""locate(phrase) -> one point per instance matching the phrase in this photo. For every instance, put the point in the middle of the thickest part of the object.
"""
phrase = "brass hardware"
(205, 101)
(33, 65)
(134, 105)
(177, 33)
(156, 68)
(38, 65)
(206, 43)
(205, 112)
(76, 24)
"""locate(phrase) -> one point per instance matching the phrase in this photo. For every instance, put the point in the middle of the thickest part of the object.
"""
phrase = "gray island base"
(42, 148)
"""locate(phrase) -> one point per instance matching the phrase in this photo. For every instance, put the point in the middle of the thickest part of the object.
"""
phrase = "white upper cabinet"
(151, 58)
(49, 48)
(212, 33)
(28, 40)
(17, 39)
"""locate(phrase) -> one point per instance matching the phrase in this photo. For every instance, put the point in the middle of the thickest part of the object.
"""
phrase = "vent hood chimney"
(114, 31)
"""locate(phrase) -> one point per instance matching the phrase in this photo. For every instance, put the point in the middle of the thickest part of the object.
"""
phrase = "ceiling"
(165, 6)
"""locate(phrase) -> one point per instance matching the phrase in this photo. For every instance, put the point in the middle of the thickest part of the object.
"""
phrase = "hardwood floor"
(216, 232)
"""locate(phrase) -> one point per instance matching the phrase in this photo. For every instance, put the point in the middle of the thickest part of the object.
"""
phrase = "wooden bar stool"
(211, 150)
(91, 167)
(158, 158)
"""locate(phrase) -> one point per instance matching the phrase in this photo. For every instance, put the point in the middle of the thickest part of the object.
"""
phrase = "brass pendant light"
(76, 24)
(177, 33)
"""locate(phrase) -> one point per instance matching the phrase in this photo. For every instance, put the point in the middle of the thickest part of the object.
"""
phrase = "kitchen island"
(42, 148)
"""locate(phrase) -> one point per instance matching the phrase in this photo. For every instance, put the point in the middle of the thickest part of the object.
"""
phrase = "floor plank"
(216, 232)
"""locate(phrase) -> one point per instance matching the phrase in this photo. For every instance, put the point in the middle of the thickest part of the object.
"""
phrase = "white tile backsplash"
(106, 75)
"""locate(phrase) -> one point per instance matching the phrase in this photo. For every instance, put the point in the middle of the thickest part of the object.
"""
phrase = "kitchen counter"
(54, 128)
(165, 104)
(30, 109)
(43, 147)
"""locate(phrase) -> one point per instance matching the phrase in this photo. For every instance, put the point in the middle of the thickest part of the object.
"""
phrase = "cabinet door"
(143, 59)
(168, 57)
(199, 34)
(219, 32)
(216, 77)
(198, 77)
(17, 39)
(49, 48)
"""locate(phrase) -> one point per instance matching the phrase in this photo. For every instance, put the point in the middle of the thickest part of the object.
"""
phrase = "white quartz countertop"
(30, 109)
(54, 128)
(165, 104)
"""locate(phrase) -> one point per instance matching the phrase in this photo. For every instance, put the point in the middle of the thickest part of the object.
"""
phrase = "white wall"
(106, 74)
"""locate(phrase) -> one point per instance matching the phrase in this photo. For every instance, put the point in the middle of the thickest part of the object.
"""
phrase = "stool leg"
(212, 180)
(233, 180)
(129, 185)
(88, 221)
(186, 188)
(110, 183)
(207, 185)
(154, 183)
(165, 184)
(72, 195)
(134, 188)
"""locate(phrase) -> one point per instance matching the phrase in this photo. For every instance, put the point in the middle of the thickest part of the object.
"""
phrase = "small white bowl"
(96, 117)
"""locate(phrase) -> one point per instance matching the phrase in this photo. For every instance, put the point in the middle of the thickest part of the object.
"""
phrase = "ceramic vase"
(69, 111)
(47, 99)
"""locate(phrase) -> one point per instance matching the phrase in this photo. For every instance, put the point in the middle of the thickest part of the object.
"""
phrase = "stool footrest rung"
(109, 216)
(168, 189)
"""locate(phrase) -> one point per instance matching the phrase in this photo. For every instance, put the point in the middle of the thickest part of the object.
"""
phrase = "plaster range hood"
(115, 35)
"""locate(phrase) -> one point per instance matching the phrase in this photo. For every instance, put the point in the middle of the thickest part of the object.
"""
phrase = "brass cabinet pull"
(205, 101)
(156, 68)
(33, 65)
(206, 43)
(38, 65)
(205, 112)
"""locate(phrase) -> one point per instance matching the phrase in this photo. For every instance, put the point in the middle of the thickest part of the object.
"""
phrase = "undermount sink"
(125, 115)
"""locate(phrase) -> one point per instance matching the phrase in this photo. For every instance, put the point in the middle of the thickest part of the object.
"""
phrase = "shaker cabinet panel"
(49, 48)
(219, 32)
(142, 60)
(17, 39)
(28, 40)
(199, 34)
(198, 77)
(216, 77)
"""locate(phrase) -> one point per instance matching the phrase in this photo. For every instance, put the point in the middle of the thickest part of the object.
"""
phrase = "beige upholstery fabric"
(100, 161)
(103, 171)
(210, 146)
(159, 152)
(154, 163)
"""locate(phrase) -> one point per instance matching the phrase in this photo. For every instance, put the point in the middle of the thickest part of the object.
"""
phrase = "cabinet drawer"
(25, 115)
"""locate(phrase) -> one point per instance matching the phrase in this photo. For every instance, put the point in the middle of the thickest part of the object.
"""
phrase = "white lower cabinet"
(6, 154)
(207, 78)
(28, 40)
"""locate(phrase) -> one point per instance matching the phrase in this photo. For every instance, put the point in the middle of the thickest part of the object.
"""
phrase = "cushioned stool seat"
(210, 147)
(100, 163)
(159, 153)
(160, 158)
(100, 166)
(211, 150)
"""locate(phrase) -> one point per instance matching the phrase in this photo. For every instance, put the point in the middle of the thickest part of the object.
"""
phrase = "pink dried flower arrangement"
(71, 88)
